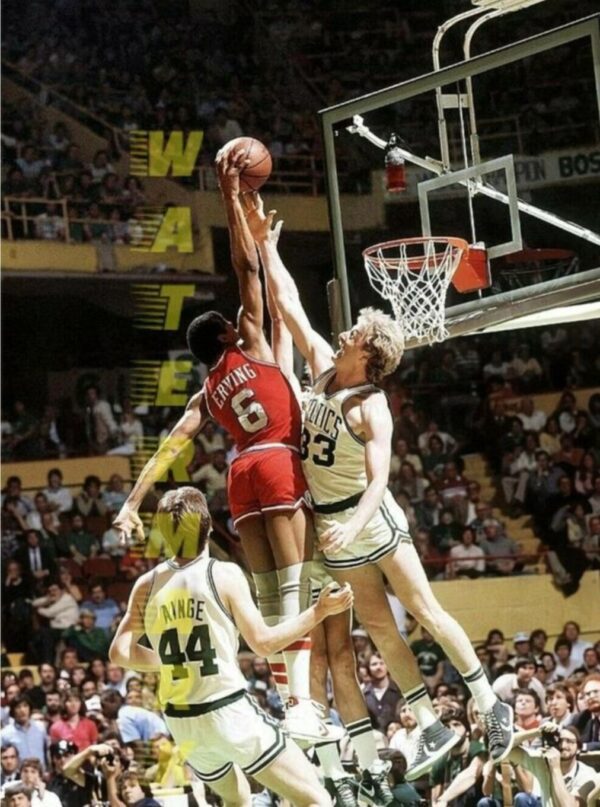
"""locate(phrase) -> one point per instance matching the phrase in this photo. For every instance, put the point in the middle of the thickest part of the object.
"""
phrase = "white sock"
(421, 704)
(329, 758)
(484, 695)
(294, 593)
(267, 595)
(363, 742)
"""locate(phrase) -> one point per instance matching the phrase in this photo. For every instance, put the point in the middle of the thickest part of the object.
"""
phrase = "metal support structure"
(485, 189)
(344, 112)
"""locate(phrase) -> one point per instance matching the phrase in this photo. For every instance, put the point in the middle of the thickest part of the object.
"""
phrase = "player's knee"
(267, 593)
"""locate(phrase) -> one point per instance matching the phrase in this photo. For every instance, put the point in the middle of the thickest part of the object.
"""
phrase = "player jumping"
(246, 393)
(346, 446)
(182, 620)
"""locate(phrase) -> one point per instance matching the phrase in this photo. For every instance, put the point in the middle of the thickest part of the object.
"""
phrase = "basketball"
(256, 173)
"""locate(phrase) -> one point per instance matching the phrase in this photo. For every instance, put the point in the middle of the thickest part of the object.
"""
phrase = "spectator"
(381, 695)
(133, 792)
(223, 129)
(74, 727)
(210, 439)
(435, 459)
(406, 739)
(587, 722)
(100, 166)
(559, 704)
(449, 443)
(9, 758)
(23, 443)
(23, 733)
(533, 419)
(496, 367)
(586, 474)
(59, 497)
(37, 695)
(572, 631)
(500, 550)
(61, 610)
(66, 764)
(517, 468)
(18, 795)
(90, 501)
(558, 772)
(101, 428)
(111, 544)
(131, 431)
(537, 643)
(115, 679)
(528, 707)
(133, 722)
(30, 163)
(86, 638)
(527, 369)
(66, 578)
(49, 225)
(466, 559)
(430, 658)
(213, 480)
(447, 533)
(400, 455)
(459, 773)
(550, 437)
(41, 506)
(566, 412)
(37, 561)
(508, 684)
(79, 543)
(409, 483)
(16, 610)
(429, 511)
(102, 607)
(32, 777)
(115, 494)
(591, 661)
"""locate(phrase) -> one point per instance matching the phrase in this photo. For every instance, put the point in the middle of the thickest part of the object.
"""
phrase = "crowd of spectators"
(162, 71)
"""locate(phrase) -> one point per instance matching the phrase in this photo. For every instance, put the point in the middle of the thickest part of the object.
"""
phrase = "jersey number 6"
(250, 414)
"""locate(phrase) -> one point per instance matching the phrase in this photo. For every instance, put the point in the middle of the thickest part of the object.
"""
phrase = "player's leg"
(292, 776)
(290, 536)
(256, 546)
(338, 782)
(374, 787)
(233, 788)
(407, 578)
(373, 609)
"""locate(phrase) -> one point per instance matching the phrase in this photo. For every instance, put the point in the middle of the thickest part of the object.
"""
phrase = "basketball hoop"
(413, 274)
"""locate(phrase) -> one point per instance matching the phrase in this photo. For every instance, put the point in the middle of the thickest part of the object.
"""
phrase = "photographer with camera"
(125, 789)
(79, 778)
(561, 778)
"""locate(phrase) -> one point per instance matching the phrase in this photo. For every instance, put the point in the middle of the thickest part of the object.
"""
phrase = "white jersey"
(333, 457)
(193, 633)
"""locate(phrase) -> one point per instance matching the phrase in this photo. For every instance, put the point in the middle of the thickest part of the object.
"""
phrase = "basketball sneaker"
(342, 791)
(499, 726)
(303, 724)
(434, 743)
(374, 787)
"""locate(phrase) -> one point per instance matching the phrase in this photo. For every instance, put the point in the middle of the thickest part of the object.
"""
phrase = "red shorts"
(269, 479)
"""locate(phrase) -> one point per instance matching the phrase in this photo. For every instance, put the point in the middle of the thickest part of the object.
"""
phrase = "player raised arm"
(126, 649)
(313, 347)
(128, 521)
(263, 639)
(244, 256)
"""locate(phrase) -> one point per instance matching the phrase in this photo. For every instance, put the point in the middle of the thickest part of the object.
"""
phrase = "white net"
(414, 275)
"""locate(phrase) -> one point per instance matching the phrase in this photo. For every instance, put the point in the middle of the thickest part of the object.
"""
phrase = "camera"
(110, 758)
(550, 737)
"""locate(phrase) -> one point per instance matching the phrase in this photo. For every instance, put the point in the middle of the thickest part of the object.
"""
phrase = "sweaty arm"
(181, 435)
(244, 256)
(125, 649)
(263, 639)
(375, 427)
(317, 352)
(463, 781)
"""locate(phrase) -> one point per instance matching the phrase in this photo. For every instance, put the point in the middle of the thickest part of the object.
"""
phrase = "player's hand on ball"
(230, 163)
(336, 538)
(334, 599)
(129, 525)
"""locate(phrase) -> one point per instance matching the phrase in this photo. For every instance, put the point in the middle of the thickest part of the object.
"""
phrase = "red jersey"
(252, 400)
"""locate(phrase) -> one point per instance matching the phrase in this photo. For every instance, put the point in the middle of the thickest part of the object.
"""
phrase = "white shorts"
(319, 576)
(238, 733)
(384, 532)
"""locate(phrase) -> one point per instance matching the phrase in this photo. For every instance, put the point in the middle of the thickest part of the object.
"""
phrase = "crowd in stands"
(159, 71)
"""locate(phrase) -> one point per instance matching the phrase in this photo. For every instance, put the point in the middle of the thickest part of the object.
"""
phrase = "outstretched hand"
(261, 226)
(333, 599)
(129, 525)
(230, 163)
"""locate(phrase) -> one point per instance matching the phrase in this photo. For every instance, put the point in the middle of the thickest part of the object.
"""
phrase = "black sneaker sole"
(416, 773)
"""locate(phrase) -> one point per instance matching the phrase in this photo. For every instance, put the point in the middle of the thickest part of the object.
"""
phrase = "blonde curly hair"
(183, 518)
(384, 341)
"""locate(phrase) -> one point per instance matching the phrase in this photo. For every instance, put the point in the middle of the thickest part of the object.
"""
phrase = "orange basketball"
(258, 170)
